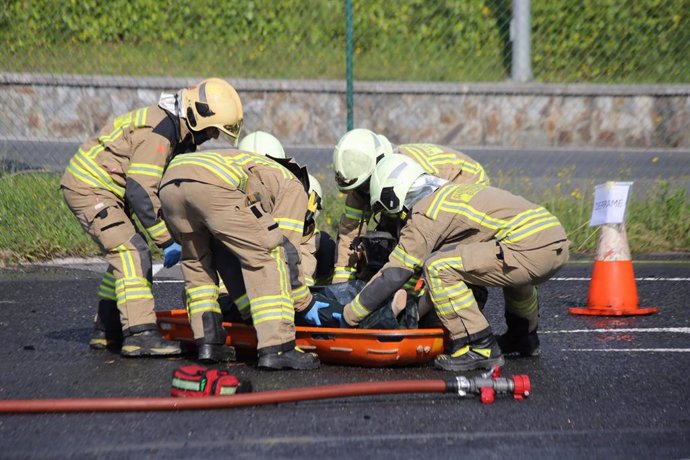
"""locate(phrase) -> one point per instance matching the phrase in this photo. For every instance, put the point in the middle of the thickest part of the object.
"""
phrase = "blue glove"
(324, 313)
(171, 255)
(339, 317)
(311, 316)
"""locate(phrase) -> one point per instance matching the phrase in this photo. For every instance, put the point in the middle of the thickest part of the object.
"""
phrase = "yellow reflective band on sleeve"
(157, 230)
(341, 274)
(290, 225)
(354, 213)
(406, 259)
(145, 169)
(358, 309)
(300, 293)
(308, 280)
(242, 302)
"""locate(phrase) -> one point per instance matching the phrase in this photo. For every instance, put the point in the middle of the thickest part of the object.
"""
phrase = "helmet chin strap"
(425, 185)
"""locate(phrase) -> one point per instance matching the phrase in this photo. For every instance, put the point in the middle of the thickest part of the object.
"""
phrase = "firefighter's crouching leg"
(473, 344)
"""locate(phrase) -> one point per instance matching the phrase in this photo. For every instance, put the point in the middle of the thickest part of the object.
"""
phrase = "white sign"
(610, 203)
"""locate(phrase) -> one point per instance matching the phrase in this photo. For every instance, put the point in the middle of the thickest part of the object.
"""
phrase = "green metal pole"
(348, 39)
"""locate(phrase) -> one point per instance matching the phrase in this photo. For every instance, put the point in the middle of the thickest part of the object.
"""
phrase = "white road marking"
(628, 350)
(636, 279)
(679, 330)
(156, 268)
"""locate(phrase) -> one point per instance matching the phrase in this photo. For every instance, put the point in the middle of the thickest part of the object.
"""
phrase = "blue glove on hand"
(171, 255)
(311, 316)
(339, 317)
(325, 313)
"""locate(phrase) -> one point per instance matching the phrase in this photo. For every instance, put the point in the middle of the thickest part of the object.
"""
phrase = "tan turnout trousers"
(198, 213)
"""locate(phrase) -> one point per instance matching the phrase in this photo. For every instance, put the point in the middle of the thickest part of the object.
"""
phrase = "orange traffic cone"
(612, 291)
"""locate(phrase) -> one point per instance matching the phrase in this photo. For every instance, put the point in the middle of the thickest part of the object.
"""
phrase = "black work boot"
(518, 339)
(215, 353)
(147, 342)
(211, 348)
(107, 329)
(292, 359)
(483, 353)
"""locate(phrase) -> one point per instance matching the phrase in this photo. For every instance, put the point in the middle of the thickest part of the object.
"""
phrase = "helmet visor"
(232, 131)
(343, 181)
(388, 202)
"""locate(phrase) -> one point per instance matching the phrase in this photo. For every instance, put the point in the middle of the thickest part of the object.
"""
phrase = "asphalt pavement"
(604, 387)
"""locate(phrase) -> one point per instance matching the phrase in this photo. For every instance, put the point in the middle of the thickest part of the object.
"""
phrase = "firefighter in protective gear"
(263, 143)
(240, 214)
(317, 248)
(354, 159)
(459, 234)
(117, 173)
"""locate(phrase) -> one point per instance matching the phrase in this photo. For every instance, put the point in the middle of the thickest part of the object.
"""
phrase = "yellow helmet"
(356, 155)
(213, 103)
(263, 143)
(391, 180)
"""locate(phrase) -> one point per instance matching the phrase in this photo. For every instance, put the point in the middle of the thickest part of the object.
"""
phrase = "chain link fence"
(608, 41)
(52, 50)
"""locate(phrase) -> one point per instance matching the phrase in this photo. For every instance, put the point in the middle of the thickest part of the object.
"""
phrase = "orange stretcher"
(356, 347)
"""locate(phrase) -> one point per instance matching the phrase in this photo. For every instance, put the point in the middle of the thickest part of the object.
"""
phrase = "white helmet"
(391, 180)
(356, 155)
(263, 143)
(213, 103)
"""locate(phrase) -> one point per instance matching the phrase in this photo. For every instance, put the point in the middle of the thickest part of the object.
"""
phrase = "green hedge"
(586, 40)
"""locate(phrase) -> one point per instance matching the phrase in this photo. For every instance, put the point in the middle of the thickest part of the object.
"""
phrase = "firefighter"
(317, 248)
(458, 234)
(240, 214)
(114, 176)
(354, 159)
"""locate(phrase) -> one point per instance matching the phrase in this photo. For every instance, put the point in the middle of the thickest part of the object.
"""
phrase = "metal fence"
(533, 52)
(494, 43)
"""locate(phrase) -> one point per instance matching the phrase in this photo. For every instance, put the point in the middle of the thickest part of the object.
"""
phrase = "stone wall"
(69, 107)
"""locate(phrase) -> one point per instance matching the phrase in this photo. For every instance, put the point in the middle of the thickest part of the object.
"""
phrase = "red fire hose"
(486, 386)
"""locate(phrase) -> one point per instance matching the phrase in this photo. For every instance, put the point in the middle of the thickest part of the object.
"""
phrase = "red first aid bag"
(194, 380)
